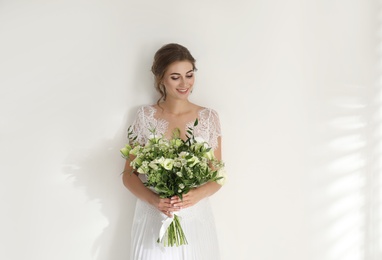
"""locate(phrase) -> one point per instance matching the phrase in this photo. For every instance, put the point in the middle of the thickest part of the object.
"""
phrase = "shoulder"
(141, 124)
(143, 115)
(210, 126)
(146, 110)
(209, 113)
(210, 118)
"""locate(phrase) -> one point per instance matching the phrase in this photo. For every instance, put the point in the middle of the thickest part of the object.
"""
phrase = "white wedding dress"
(197, 221)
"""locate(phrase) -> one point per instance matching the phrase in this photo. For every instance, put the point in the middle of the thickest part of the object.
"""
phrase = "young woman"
(174, 71)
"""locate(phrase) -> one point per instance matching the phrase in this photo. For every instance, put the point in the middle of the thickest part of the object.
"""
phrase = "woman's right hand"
(165, 206)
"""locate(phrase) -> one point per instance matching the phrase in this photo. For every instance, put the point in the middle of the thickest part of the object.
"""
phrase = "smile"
(183, 91)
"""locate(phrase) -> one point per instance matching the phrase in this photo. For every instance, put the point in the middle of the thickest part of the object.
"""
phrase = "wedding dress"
(197, 221)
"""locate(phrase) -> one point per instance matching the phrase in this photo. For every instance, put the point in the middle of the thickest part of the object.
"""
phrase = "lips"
(183, 90)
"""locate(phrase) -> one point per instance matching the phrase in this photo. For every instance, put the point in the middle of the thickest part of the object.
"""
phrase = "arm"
(134, 184)
(131, 180)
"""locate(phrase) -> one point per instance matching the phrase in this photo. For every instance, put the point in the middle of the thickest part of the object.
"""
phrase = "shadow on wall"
(345, 205)
(97, 171)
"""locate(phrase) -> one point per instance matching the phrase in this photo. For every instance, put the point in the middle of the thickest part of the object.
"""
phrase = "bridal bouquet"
(173, 167)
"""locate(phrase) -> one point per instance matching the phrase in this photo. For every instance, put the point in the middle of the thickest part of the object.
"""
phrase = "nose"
(183, 82)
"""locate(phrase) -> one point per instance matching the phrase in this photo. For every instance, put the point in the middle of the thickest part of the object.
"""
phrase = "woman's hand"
(166, 206)
(189, 199)
(195, 195)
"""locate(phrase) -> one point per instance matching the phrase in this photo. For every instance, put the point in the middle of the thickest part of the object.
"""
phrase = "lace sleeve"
(215, 130)
(140, 125)
(209, 127)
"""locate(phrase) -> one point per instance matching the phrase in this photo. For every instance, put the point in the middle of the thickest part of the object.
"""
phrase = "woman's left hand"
(189, 199)
(195, 195)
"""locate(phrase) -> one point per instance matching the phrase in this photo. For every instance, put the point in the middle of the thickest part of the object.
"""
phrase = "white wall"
(295, 83)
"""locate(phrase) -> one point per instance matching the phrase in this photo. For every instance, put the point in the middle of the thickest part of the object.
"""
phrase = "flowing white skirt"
(197, 223)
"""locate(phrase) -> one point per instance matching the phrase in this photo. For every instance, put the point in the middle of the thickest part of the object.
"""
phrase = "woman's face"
(179, 80)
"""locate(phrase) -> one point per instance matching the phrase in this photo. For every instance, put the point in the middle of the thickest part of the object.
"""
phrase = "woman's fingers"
(167, 207)
(177, 203)
(167, 213)
(189, 199)
(173, 204)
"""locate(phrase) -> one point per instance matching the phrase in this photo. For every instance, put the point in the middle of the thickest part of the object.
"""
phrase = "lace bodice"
(208, 126)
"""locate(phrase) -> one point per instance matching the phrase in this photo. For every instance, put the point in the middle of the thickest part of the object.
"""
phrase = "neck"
(176, 107)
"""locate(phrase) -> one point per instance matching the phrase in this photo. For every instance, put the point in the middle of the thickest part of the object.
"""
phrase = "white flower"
(160, 160)
(151, 140)
(193, 161)
(177, 163)
(144, 169)
(141, 170)
(183, 154)
(222, 173)
(167, 164)
(136, 163)
(210, 155)
(153, 165)
(163, 143)
(135, 150)
(125, 151)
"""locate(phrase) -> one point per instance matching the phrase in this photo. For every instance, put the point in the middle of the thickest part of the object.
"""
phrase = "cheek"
(191, 81)
(168, 83)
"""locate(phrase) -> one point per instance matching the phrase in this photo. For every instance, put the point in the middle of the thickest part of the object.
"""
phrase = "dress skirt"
(197, 223)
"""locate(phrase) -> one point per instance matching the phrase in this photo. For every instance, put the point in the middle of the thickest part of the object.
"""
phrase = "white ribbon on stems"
(165, 224)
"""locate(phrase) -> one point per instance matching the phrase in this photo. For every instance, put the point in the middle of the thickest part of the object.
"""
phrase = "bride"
(174, 70)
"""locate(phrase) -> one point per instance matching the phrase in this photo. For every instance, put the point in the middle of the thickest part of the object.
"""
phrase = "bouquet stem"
(174, 234)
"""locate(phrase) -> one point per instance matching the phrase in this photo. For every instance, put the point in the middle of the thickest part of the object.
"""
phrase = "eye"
(174, 78)
(190, 76)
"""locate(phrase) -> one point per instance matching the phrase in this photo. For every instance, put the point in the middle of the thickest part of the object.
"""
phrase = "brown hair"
(165, 56)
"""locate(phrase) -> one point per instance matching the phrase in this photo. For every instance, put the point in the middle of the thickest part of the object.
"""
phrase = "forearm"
(135, 186)
(208, 189)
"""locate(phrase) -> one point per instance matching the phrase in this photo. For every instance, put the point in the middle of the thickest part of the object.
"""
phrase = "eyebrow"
(175, 73)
